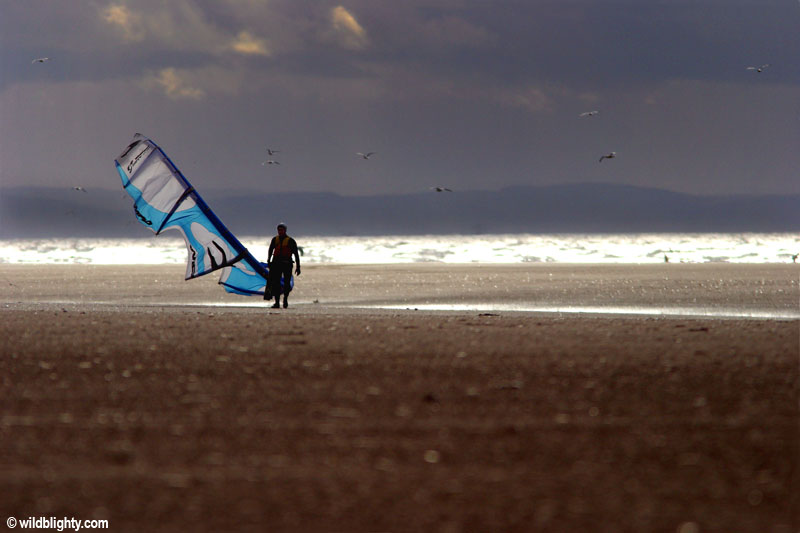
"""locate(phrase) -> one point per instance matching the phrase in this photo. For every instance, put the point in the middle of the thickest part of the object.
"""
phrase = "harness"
(283, 249)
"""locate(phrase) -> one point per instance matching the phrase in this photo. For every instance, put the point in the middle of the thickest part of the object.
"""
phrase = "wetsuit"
(281, 251)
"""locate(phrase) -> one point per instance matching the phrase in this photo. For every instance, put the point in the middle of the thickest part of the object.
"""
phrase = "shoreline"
(678, 290)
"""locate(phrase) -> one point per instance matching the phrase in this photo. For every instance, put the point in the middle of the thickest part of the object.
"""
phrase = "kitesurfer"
(281, 250)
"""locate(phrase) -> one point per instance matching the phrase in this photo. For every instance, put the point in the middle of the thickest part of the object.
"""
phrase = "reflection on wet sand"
(589, 310)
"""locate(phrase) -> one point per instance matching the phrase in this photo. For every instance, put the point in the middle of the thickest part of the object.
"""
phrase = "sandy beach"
(422, 397)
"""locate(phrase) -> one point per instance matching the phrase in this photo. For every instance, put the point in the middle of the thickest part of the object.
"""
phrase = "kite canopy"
(164, 199)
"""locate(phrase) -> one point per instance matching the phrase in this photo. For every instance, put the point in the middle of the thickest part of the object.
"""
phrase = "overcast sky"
(467, 94)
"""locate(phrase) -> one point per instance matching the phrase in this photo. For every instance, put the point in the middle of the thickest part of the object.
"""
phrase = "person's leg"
(275, 284)
(287, 277)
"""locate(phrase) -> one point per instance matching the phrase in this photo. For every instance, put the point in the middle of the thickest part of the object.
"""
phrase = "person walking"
(281, 250)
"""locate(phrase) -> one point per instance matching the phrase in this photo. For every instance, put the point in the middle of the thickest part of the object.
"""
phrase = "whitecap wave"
(511, 248)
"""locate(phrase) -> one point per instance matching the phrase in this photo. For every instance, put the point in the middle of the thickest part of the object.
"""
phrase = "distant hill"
(577, 208)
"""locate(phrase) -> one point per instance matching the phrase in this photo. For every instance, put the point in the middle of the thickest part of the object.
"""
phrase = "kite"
(164, 199)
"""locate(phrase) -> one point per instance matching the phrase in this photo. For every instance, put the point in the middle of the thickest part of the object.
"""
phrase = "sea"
(509, 248)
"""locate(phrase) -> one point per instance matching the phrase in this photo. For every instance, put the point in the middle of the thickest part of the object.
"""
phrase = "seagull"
(588, 113)
(81, 189)
(272, 152)
(365, 156)
(758, 69)
(270, 162)
(612, 155)
(40, 60)
(441, 189)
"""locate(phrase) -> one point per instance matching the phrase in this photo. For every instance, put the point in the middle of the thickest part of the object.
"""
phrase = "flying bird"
(272, 152)
(81, 189)
(758, 69)
(270, 162)
(441, 189)
(588, 113)
(611, 155)
(365, 156)
(40, 60)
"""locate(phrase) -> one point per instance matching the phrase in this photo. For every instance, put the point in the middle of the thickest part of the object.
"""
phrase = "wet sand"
(133, 396)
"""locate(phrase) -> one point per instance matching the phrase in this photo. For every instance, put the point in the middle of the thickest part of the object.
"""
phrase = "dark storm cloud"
(608, 43)
(473, 93)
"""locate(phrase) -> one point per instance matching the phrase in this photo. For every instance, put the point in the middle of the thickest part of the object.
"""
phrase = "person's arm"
(296, 258)
(271, 249)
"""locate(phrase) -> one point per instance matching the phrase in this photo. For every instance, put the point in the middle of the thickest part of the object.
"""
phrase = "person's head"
(281, 229)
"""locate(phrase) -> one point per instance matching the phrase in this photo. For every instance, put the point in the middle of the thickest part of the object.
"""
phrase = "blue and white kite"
(163, 198)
